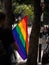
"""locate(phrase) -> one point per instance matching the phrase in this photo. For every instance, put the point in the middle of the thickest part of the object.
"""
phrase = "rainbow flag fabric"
(20, 33)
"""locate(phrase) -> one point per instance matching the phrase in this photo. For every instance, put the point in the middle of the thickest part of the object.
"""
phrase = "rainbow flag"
(20, 33)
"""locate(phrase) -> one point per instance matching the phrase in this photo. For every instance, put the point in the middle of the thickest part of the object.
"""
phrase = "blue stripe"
(19, 43)
(24, 56)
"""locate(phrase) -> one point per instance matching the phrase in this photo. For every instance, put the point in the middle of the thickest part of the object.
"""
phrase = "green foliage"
(25, 10)
(25, 7)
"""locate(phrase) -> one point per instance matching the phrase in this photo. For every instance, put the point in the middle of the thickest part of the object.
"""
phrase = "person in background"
(6, 40)
(45, 58)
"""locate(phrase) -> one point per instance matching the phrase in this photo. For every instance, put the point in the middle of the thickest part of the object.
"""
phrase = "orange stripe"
(24, 24)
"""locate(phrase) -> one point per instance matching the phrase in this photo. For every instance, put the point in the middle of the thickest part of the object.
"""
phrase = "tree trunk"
(33, 43)
(9, 12)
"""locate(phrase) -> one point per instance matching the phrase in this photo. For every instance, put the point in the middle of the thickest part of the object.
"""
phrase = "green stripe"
(21, 36)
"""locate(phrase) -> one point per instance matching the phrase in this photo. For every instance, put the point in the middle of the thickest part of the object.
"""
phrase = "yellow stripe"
(22, 30)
